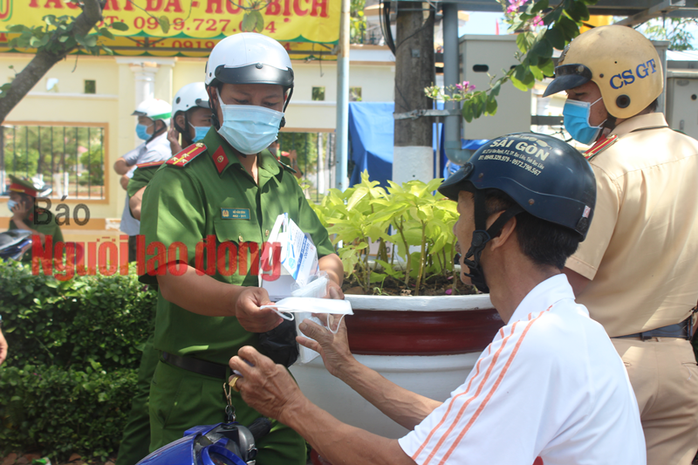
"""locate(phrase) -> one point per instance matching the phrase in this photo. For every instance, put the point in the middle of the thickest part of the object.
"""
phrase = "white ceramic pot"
(425, 344)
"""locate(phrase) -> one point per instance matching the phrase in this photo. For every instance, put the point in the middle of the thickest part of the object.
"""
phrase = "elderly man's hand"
(250, 316)
(334, 348)
(264, 386)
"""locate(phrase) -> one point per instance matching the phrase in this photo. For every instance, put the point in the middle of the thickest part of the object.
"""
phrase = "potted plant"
(407, 334)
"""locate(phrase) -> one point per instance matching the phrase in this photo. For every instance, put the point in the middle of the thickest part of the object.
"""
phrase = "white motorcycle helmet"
(155, 109)
(192, 95)
(249, 58)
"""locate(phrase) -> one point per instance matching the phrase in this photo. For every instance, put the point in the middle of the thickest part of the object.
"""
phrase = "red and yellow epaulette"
(600, 145)
(187, 155)
(151, 164)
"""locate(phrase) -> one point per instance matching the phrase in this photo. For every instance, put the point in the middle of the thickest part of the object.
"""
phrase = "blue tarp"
(371, 138)
(371, 134)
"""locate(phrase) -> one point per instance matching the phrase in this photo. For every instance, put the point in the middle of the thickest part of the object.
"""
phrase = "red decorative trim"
(421, 333)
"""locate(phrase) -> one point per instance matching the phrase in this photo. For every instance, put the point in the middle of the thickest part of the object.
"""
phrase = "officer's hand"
(173, 137)
(265, 386)
(334, 290)
(334, 348)
(250, 316)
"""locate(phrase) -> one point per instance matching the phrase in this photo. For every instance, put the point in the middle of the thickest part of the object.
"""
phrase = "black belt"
(680, 330)
(202, 367)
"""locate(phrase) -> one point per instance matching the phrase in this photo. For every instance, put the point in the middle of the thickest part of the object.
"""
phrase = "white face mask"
(249, 128)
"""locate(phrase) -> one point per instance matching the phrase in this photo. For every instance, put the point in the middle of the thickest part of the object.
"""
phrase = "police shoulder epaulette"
(187, 155)
(600, 145)
(151, 164)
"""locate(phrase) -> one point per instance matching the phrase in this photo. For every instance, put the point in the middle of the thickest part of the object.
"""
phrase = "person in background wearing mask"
(228, 191)
(637, 272)
(191, 119)
(153, 118)
(23, 194)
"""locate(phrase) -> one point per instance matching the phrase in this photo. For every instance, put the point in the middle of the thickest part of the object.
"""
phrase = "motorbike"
(13, 243)
(220, 444)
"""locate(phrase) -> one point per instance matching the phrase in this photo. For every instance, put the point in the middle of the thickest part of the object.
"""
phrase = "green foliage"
(70, 374)
(94, 165)
(305, 145)
(61, 28)
(412, 220)
(32, 150)
(540, 29)
(70, 323)
(60, 412)
(675, 31)
(357, 21)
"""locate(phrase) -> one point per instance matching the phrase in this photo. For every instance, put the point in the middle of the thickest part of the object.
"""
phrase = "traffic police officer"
(637, 271)
(23, 194)
(223, 193)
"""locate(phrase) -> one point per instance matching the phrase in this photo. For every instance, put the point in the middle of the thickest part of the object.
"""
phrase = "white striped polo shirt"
(550, 389)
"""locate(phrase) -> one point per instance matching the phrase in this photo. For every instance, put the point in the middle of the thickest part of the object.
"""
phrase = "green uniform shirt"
(46, 226)
(141, 178)
(186, 204)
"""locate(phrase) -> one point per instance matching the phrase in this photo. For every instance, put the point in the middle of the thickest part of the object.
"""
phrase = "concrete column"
(144, 76)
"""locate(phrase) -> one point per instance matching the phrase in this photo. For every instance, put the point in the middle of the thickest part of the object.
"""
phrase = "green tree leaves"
(540, 30)
(60, 28)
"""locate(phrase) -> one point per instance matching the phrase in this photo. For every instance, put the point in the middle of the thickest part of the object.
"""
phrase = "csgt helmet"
(154, 109)
(543, 175)
(621, 61)
(250, 58)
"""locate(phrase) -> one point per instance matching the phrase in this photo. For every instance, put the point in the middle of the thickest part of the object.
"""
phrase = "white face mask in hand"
(302, 308)
(249, 128)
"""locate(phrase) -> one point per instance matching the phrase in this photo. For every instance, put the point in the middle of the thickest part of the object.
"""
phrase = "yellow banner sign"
(315, 21)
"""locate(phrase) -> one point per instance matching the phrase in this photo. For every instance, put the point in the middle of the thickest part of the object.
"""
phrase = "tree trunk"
(414, 70)
(44, 60)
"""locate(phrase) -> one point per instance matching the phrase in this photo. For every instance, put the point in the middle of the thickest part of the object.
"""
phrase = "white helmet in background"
(155, 109)
(250, 58)
(190, 96)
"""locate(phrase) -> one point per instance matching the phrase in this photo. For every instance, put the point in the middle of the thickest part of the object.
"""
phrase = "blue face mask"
(11, 204)
(249, 128)
(576, 119)
(141, 131)
(200, 131)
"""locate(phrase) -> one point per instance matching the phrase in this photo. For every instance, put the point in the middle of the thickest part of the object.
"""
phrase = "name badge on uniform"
(235, 213)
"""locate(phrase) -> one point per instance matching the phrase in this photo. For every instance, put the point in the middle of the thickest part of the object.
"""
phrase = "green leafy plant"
(411, 225)
(67, 384)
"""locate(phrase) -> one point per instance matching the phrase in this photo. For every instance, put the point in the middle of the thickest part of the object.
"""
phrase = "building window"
(355, 94)
(318, 94)
(90, 86)
(68, 159)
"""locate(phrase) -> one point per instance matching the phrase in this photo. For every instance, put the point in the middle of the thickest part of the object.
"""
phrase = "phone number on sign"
(196, 24)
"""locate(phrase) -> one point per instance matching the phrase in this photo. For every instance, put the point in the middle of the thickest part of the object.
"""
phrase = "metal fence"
(67, 159)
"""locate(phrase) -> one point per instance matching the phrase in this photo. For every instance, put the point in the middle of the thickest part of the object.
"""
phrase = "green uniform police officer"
(206, 216)
(191, 119)
(23, 194)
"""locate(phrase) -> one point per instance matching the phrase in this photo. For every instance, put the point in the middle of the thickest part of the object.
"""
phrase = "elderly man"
(549, 389)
